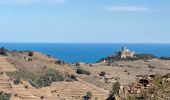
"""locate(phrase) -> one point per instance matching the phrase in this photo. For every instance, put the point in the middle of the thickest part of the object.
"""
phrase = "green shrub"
(60, 62)
(4, 96)
(30, 53)
(151, 66)
(114, 91)
(103, 73)
(144, 56)
(165, 58)
(158, 80)
(115, 88)
(82, 71)
(17, 81)
(89, 94)
(3, 51)
(41, 79)
(46, 79)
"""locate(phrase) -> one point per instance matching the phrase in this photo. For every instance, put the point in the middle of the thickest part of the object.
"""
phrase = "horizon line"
(85, 42)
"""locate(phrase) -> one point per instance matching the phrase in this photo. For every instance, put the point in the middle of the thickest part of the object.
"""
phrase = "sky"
(85, 21)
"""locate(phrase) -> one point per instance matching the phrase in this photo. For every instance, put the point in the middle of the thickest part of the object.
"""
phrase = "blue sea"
(88, 53)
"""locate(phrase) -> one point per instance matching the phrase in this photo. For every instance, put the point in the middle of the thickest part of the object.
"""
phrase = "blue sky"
(85, 21)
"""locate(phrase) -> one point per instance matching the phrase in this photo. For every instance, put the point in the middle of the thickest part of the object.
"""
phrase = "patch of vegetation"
(114, 91)
(5, 96)
(165, 58)
(17, 81)
(41, 79)
(103, 73)
(145, 56)
(151, 66)
(60, 62)
(47, 79)
(30, 53)
(82, 71)
(89, 94)
(77, 64)
(136, 57)
(158, 80)
(115, 88)
(3, 51)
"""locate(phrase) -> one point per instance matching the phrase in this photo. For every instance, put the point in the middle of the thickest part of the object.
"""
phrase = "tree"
(115, 91)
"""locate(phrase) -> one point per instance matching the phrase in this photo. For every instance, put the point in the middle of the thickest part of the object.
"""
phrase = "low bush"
(115, 88)
(145, 56)
(41, 79)
(103, 73)
(150, 66)
(3, 51)
(17, 81)
(60, 62)
(165, 58)
(5, 96)
(30, 53)
(89, 94)
(114, 91)
(82, 71)
(51, 76)
(158, 80)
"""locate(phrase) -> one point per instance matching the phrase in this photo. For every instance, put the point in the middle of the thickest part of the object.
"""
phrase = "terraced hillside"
(74, 90)
(5, 82)
(58, 91)
(41, 77)
(5, 66)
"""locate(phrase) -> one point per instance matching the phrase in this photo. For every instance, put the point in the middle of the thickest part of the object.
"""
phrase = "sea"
(87, 52)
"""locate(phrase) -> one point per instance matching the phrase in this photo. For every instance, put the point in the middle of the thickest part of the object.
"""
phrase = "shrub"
(115, 91)
(30, 53)
(158, 80)
(77, 64)
(89, 94)
(4, 96)
(26, 86)
(47, 79)
(102, 73)
(165, 58)
(82, 71)
(90, 65)
(3, 51)
(150, 66)
(144, 56)
(115, 88)
(42, 97)
(60, 62)
(17, 81)
(41, 79)
(72, 76)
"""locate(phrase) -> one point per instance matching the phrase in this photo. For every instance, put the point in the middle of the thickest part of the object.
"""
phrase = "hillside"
(32, 75)
(27, 75)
